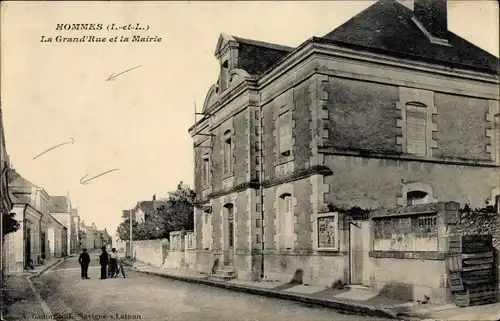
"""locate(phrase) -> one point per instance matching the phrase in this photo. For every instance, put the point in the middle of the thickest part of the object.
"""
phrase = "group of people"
(108, 262)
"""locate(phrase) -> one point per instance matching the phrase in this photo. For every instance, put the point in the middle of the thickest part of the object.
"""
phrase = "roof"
(254, 56)
(16, 180)
(14, 199)
(263, 44)
(388, 25)
(59, 204)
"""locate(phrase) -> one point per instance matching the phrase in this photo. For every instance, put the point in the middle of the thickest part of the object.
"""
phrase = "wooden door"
(355, 254)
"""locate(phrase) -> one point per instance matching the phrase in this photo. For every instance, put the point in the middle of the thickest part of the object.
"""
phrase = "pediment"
(224, 40)
(211, 97)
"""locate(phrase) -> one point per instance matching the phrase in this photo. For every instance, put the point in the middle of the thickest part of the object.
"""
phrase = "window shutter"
(285, 132)
(416, 127)
(288, 222)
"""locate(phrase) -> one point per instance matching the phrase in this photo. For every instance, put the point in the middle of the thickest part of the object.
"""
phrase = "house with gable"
(389, 109)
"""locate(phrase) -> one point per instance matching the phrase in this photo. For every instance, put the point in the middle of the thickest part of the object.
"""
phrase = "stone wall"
(151, 252)
(372, 183)
(409, 250)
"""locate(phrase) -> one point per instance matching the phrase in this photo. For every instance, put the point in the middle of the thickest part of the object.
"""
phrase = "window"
(257, 207)
(206, 170)
(207, 229)
(497, 203)
(228, 152)
(497, 137)
(416, 197)
(416, 129)
(224, 76)
(285, 134)
(257, 223)
(326, 133)
(286, 228)
(257, 238)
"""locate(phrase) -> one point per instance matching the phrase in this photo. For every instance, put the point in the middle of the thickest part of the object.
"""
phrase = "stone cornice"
(305, 173)
(331, 48)
(402, 157)
(328, 48)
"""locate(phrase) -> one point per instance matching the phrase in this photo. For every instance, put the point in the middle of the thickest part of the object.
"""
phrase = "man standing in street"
(113, 260)
(104, 261)
(84, 261)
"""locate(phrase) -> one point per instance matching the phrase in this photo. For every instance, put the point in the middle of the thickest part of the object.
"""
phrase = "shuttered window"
(416, 130)
(285, 133)
(497, 137)
(288, 222)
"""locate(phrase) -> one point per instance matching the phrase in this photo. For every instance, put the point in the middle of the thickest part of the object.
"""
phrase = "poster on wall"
(327, 232)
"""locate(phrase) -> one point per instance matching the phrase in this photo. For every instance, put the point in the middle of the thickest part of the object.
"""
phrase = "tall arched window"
(285, 222)
(229, 208)
(228, 152)
(416, 129)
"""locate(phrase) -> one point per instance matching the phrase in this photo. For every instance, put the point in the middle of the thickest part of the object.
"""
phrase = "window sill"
(227, 175)
(327, 249)
(283, 160)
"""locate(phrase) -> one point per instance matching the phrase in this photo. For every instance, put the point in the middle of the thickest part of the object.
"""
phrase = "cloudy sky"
(138, 122)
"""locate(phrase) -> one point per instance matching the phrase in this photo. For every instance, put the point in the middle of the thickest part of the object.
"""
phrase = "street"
(146, 297)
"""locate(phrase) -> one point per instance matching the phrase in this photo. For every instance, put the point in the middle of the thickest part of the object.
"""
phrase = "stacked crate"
(472, 272)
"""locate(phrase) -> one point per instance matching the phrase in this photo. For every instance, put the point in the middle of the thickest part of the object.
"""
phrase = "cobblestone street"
(155, 298)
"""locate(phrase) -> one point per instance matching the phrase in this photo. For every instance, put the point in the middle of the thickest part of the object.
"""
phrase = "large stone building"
(389, 109)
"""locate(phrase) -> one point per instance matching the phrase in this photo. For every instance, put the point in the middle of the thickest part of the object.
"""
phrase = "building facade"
(5, 200)
(386, 110)
(31, 208)
(60, 208)
(92, 237)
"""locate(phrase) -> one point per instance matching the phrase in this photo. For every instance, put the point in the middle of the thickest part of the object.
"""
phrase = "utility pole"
(130, 237)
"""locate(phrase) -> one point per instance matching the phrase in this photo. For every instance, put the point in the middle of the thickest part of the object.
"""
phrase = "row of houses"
(388, 110)
(49, 225)
(93, 238)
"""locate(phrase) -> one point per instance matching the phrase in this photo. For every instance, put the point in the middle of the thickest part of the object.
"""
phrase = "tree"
(173, 214)
(123, 230)
(9, 223)
(177, 213)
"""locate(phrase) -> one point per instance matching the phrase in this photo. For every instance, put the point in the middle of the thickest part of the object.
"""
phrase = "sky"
(139, 121)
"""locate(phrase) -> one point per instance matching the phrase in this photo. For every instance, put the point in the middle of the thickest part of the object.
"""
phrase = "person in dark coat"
(104, 261)
(84, 261)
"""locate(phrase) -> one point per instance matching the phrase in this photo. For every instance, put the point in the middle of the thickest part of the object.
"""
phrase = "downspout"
(261, 188)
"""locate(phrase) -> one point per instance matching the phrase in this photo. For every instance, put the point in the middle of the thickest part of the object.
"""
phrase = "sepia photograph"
(250, 160)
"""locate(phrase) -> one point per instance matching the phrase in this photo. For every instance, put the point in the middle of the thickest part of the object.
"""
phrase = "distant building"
(142, 209)
(60, 208)
(389, 109)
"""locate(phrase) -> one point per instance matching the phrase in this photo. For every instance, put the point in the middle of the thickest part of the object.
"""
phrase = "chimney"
(432, 14)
